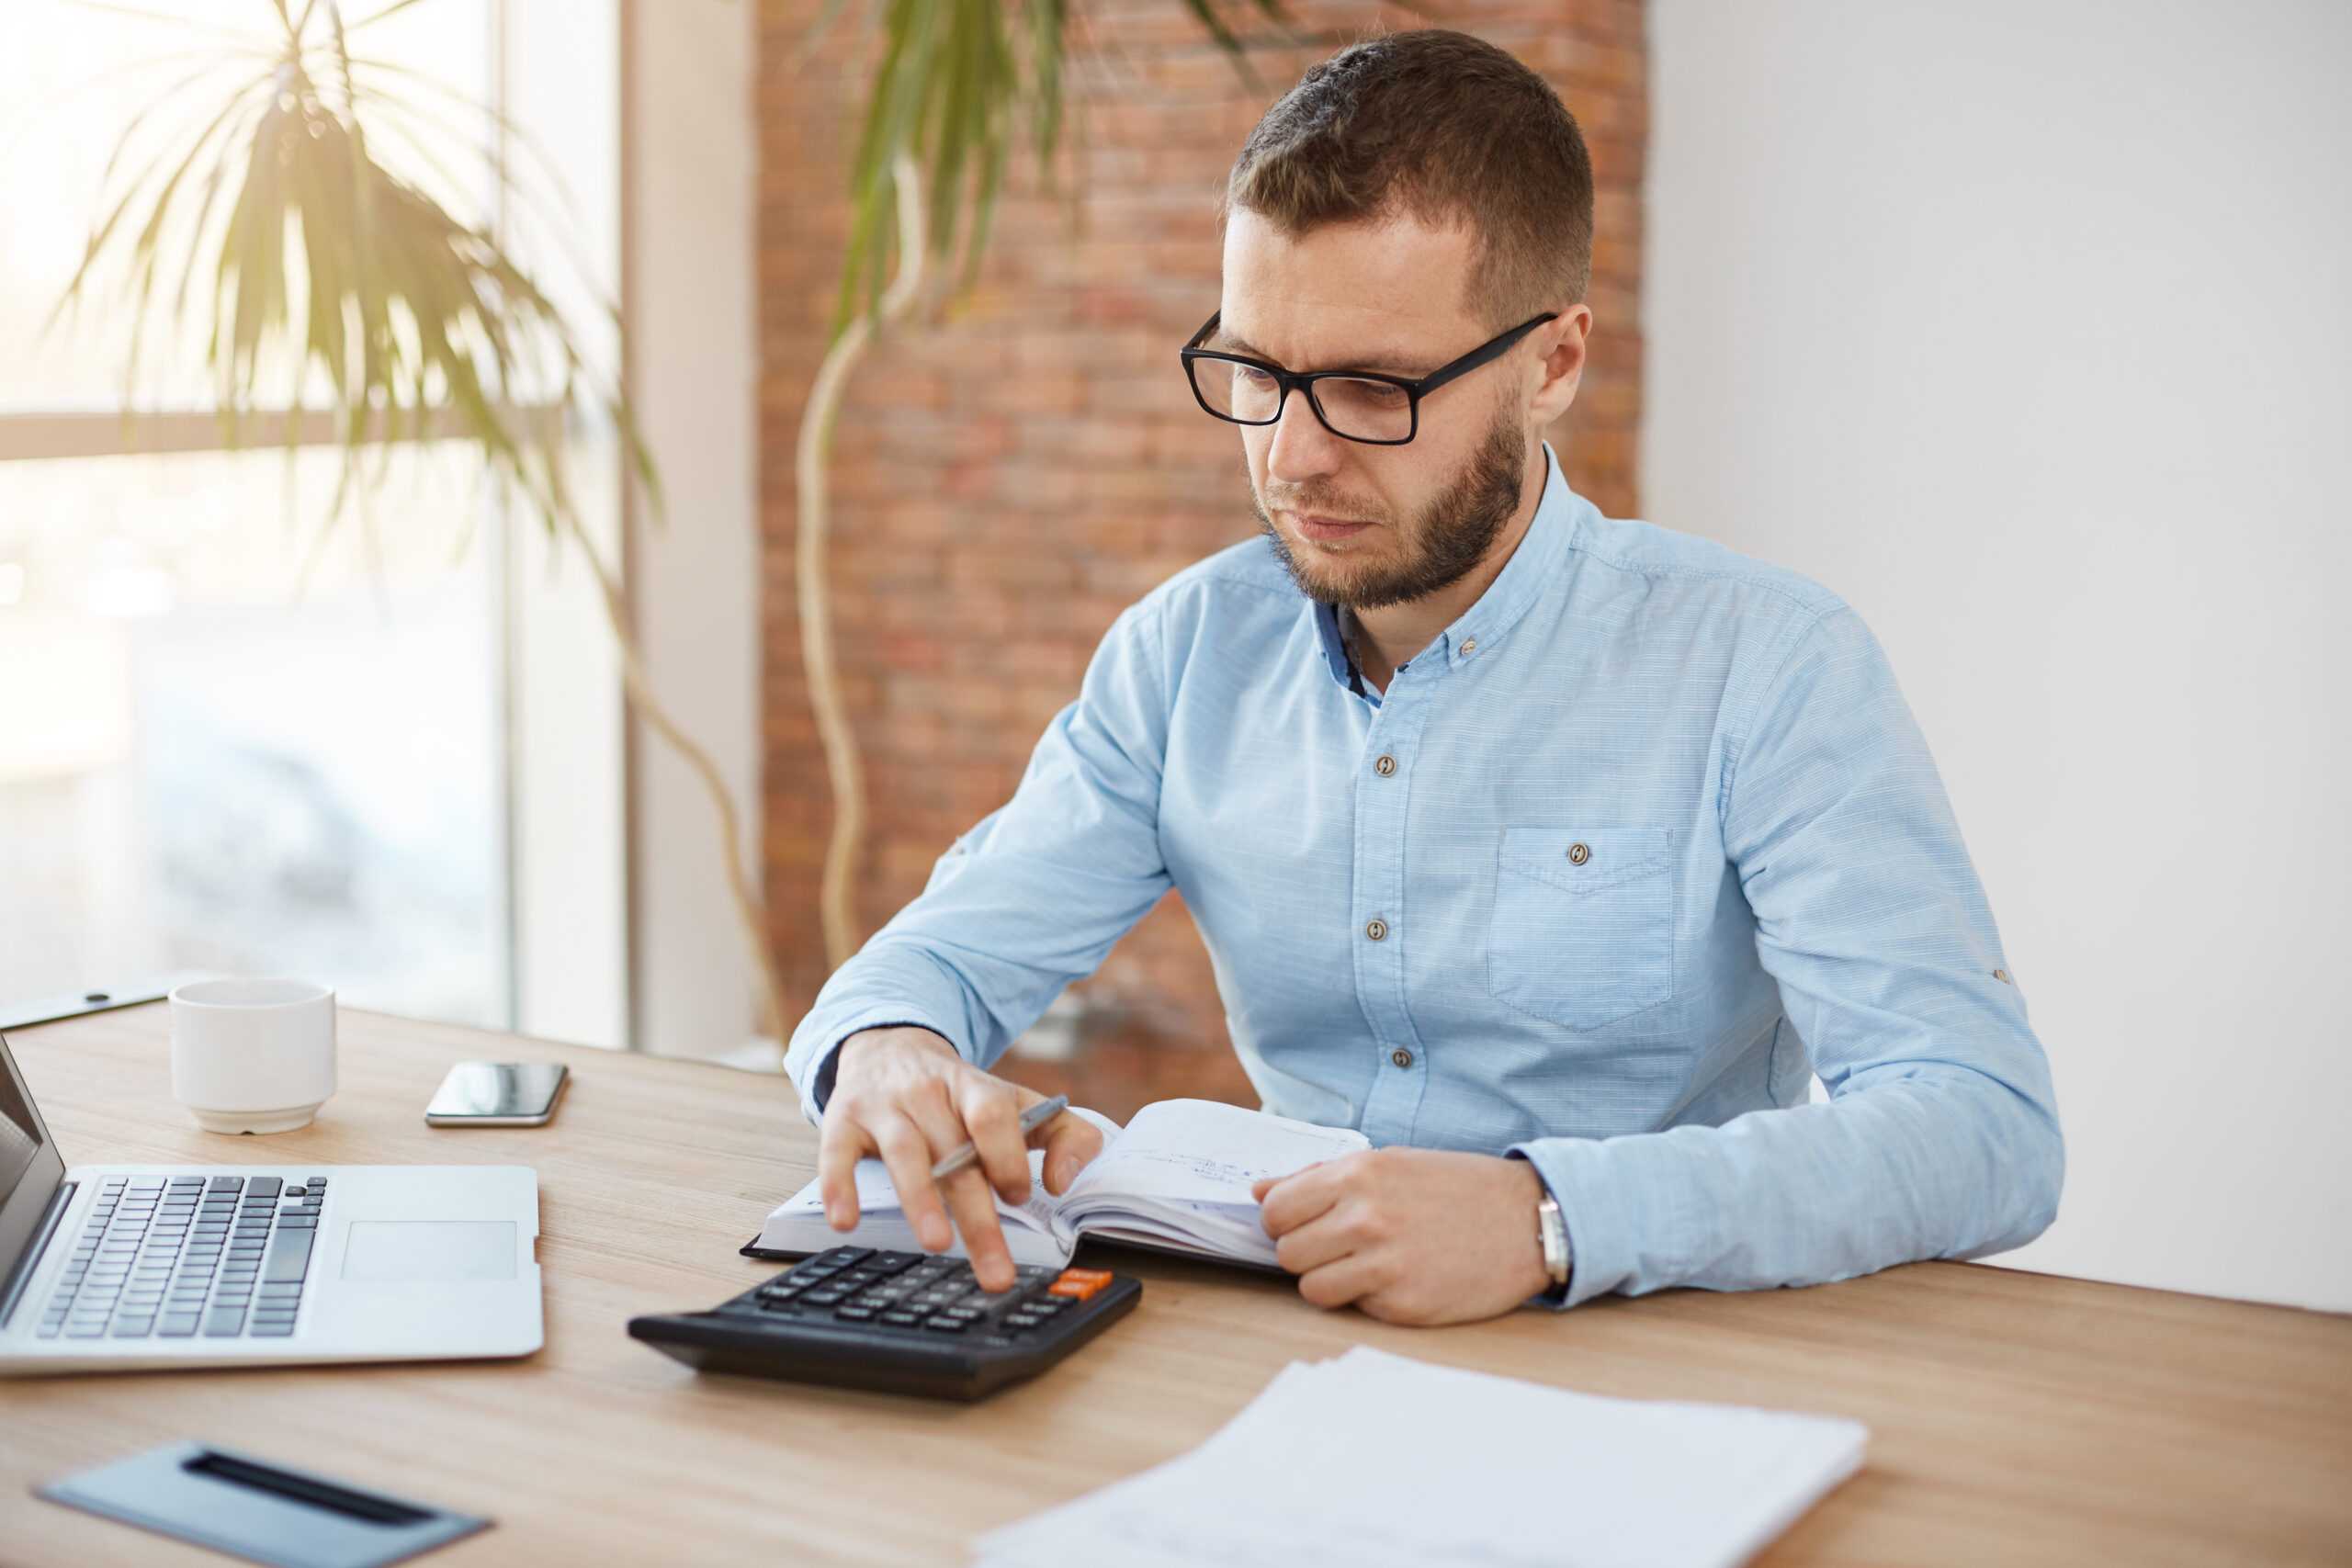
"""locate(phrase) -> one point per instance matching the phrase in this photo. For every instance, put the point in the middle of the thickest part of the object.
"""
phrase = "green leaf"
(953, 106)
(145, 250)
(1229, 42)
(261, 253)
(98, 237)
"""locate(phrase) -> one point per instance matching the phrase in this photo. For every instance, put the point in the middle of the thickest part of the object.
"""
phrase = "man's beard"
(1451, 534)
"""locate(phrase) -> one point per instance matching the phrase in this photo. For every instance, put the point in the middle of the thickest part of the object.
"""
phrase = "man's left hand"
(1409, 1236)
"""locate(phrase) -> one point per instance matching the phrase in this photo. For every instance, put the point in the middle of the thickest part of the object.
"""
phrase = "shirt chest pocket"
(1582, 932)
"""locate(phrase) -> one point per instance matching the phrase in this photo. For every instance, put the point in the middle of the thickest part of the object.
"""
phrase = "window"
(233, 737)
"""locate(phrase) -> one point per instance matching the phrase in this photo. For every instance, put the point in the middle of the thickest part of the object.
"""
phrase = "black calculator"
(904, 1322)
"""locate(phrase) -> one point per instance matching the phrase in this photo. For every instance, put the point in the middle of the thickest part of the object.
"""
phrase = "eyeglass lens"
(1370, 411)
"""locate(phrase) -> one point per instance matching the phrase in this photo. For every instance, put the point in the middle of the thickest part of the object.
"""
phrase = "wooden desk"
(2014, 1417)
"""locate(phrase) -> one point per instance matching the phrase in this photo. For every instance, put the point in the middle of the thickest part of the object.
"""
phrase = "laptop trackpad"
(430, 1249)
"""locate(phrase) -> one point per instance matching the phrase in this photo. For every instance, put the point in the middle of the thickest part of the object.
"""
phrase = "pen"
(1031, 1119)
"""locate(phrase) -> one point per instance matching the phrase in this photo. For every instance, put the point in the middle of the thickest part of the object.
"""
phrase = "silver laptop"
(124, 1267)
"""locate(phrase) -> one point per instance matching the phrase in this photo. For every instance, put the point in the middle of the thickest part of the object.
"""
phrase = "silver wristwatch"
(1555, 1231)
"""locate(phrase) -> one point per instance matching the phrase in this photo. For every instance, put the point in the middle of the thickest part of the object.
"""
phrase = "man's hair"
(1444, 126)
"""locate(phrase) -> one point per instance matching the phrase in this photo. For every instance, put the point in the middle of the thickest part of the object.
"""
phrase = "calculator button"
(892, 1262)
(902, 1319)
(947, 1325)
(1020, 1322)
(1078, 1284)
(847, 1255)
(854, 1313)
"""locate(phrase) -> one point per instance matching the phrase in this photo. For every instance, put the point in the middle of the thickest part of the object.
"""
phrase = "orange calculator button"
(1079, 1284)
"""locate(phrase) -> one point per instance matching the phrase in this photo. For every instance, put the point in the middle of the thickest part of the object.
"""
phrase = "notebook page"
(799, 1225)
(1201, 1152)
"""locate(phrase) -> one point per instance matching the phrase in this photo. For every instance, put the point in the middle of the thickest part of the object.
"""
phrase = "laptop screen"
(20, 1135)
(30, 1166)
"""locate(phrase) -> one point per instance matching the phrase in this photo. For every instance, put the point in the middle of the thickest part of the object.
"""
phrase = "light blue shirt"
(1642, 840)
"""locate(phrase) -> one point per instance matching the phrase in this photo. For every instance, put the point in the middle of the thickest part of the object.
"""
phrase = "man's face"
(1355, 296)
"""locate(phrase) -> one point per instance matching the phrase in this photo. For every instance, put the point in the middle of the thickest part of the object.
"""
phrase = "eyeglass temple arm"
(1478, 357)
(1426, 384)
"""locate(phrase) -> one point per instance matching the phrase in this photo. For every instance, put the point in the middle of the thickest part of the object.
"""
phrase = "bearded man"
(1556, 852)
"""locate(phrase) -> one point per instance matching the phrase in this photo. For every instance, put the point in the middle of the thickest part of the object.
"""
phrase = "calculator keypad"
(896, 1322)
(927, 1295)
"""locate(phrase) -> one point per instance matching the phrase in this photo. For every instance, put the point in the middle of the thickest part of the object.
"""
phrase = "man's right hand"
(902, 1093)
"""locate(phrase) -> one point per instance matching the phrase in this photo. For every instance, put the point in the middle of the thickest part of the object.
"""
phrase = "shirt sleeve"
(1940, 1136)
(1032, 896)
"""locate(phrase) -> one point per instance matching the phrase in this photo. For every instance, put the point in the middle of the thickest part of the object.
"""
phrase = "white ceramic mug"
(252, 1055)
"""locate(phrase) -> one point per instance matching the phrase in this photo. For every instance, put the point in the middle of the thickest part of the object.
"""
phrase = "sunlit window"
(235, 734)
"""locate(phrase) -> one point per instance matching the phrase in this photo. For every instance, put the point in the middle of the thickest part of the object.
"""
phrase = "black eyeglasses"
(1358, 405)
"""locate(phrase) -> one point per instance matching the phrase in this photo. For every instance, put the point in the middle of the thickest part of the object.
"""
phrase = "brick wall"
(1006, 482)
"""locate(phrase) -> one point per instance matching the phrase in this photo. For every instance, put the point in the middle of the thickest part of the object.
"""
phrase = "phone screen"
(498, 1089)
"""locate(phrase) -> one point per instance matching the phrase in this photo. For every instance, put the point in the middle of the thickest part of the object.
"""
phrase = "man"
(1556, 852)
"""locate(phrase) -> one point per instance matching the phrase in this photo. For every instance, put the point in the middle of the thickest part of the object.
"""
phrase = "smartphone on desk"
(497, 1094)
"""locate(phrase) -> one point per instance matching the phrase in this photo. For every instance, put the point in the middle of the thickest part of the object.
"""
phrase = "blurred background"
(2023, 327)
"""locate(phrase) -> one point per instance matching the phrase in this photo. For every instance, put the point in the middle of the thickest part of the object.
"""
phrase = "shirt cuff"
(818, 1080)
(1578, 1183)
(1555, 1297)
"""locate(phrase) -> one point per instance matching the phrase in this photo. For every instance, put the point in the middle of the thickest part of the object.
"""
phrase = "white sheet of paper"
(1333, 1464)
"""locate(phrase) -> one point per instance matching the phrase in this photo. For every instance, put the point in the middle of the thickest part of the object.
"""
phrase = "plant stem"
(836, 900)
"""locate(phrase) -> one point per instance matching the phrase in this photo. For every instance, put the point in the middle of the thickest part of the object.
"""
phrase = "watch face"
(1556, 1240)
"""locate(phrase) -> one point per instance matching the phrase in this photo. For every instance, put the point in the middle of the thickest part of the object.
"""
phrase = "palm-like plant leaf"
(392, 306)
(946, 91)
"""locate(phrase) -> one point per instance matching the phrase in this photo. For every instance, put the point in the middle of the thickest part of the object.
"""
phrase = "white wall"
(2026, 327)
(558, 61)
(690, 170)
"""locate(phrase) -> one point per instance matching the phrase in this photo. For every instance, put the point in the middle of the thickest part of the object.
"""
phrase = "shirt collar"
(1531, 568)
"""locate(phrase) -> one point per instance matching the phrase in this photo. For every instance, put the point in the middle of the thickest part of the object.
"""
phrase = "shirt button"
(1469, 646)
(1401, 1056)
(1377, 930)
(1385, 766)
(1579, 853)
(2002, 976)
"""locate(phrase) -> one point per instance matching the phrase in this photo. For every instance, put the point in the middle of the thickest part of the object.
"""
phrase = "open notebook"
(1177, 1178)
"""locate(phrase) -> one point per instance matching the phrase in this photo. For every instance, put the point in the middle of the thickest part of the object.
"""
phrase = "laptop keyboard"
(188, 1257)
